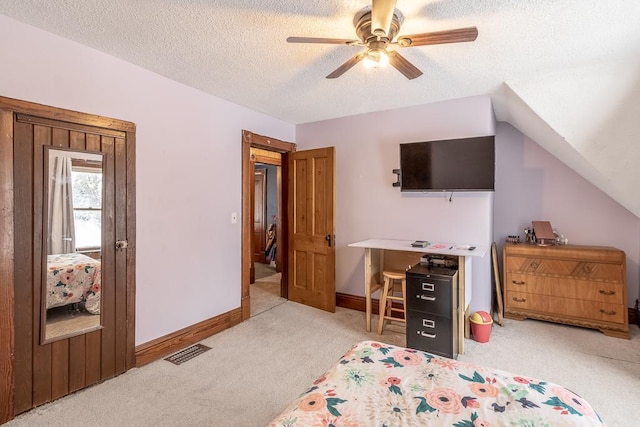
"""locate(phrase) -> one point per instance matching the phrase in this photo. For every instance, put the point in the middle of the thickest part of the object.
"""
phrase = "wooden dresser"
(578, 285)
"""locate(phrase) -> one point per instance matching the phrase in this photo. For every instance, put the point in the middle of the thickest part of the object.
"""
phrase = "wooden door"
(311, 228)
(259, 214)
(46, 370)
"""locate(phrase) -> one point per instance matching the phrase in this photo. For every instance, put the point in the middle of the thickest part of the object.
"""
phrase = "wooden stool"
(389, 294)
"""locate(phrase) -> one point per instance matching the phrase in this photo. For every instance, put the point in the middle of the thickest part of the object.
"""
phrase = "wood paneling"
(131, 251)
(77, 372)
(32, 373)
(24, 305)
(60, 368)
(6, 266)
(62, 115)
(92, 365)
(108, 297)
(41, 353)
(120, 264)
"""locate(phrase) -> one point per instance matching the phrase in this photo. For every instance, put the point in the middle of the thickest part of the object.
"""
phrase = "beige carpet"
(263, 270)
(265, 294)
(257, 367)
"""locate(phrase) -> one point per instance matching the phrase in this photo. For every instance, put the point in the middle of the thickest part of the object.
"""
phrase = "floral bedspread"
(377, 384)
(73, 278)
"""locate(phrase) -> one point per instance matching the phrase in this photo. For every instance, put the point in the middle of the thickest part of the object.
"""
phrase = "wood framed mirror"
(73, 237)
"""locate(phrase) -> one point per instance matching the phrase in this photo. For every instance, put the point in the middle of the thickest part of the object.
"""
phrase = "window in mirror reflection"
(74, 220)
(87, 205)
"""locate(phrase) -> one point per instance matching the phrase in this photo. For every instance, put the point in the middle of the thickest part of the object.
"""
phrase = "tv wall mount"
(396, 172)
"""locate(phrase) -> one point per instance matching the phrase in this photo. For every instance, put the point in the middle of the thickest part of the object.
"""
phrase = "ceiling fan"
(376, 28)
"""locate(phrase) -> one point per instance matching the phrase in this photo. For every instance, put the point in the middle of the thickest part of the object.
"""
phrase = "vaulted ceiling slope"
(563, 72)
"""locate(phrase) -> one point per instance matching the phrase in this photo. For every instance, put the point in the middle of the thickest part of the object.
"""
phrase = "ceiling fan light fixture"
(376, 58)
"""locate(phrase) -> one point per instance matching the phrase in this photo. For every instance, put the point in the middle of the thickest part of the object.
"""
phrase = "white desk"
(385, 254)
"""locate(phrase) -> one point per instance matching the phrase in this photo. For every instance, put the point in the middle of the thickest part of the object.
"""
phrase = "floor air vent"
(187, 354)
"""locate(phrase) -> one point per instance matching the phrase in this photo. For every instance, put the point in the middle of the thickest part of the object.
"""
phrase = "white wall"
(531, 184)
(367, 206)
(188, 168)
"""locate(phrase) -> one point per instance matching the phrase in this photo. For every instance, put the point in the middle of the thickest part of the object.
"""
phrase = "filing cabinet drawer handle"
(427, 323)
(427, 297)
(426, 335)
(519, 299)
(608, 313)
(603, 292)
(518, 282)
(428, 287)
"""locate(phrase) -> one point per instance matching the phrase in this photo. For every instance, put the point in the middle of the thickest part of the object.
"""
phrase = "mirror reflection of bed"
(73, 223)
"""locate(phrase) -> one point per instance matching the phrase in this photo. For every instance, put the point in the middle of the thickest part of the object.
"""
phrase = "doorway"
(265, 289)
(263, 206)
(305, 227)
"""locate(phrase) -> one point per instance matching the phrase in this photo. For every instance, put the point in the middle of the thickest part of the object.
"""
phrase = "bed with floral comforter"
(377, 384)
(73, 278)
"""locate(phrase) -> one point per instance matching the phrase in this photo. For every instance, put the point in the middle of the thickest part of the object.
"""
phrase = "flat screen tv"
(466, 164)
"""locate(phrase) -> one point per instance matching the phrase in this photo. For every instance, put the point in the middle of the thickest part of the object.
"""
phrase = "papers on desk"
(449, 246)
(440, 246)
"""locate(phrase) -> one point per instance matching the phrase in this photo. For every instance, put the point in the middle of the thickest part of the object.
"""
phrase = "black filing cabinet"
(432, 304)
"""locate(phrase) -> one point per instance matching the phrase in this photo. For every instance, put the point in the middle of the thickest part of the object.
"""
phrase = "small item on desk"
(471, 248)
(420, 244)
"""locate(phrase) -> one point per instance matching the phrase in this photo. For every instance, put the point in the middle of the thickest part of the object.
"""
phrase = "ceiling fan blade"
(321, 40)
(401, 64)
(381, 16)
(468, 34)
(347, 65)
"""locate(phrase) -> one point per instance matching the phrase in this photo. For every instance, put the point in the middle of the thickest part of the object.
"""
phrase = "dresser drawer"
(608, 292)
(566, 268)
(430, 293)
(591, 310)
(431, 333)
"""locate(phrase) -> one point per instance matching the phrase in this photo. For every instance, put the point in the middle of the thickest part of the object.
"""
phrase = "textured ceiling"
(538, 59)
(237, 50)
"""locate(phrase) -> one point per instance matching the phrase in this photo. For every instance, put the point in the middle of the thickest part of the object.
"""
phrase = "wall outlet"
(234, 217)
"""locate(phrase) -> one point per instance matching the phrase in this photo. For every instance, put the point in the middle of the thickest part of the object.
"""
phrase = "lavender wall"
(189, 179)
(367, 206)
(188, 168)
(531, 184)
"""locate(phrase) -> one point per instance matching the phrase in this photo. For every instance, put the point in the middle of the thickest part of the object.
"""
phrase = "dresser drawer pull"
(424, 334)
(519, 299)
(518, 282)
(608, 313)
(428, 323)
(428, 287)
(603, 292)
(587, 269)
(426, 297)
(534, 265)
